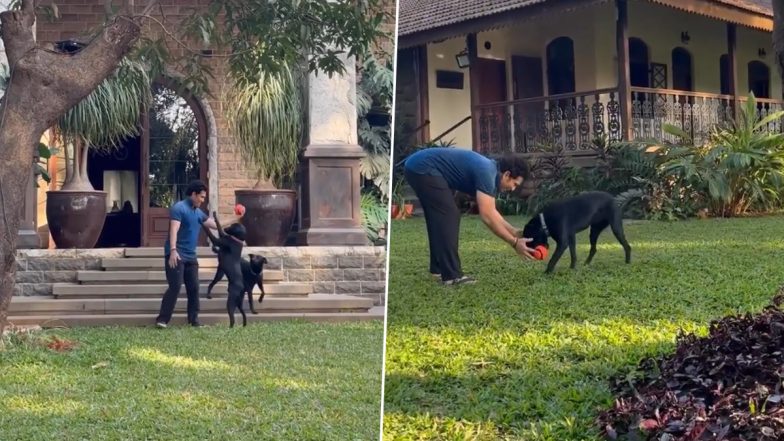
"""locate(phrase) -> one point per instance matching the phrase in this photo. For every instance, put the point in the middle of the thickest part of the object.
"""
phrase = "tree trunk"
(13, 170)
(778, 34)
(42, 87)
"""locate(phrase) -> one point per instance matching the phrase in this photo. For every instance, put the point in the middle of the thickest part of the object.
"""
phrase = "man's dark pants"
(443, 223)
(187, 271)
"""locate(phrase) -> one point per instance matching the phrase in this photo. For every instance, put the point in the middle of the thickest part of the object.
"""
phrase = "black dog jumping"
(230, 245)
(562, 220)
(252, 275)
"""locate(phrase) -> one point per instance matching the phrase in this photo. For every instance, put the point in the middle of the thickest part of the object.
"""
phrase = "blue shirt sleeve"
(202, 216)
(485, 178)
(176, 212)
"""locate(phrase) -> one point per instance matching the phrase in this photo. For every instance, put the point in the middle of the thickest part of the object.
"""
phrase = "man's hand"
(174, 259)
(522, 249)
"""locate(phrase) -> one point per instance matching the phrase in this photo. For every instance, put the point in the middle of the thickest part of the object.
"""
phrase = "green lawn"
(526, 356)
(295, 381)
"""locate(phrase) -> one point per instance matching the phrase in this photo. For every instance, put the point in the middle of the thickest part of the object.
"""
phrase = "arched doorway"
(174, 152)
(759, 79)
(682, 70)
(639, 63)
(151, 171)
(560, 66)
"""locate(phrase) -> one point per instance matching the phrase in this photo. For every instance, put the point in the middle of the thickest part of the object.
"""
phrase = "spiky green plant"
(374, 215)
(266, 119)
(740, 167)
(110, 114)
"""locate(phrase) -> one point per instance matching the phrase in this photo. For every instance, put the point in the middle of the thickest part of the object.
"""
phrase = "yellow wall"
(592, 29)
(448, 106)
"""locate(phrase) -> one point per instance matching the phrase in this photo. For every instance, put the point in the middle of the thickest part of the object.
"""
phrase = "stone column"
(28, 236)
(330, 213)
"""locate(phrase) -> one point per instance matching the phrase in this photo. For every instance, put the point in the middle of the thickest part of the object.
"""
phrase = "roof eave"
(714, 10)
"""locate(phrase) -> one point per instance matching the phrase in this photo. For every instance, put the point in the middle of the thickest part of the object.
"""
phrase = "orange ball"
(239, 209)
(540, 252)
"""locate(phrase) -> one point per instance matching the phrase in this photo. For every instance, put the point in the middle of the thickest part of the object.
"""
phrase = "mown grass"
(264, 382)
(526, 356)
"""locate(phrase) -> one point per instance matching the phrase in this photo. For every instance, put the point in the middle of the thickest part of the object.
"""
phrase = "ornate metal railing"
(766, 107)
(573, 121)
(569, 121)
(694, 112)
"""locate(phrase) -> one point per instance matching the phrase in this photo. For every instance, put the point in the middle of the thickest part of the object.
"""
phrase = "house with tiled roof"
(521, 75)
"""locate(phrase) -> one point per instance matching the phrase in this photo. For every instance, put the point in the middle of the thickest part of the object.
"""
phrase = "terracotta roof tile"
(422, 15)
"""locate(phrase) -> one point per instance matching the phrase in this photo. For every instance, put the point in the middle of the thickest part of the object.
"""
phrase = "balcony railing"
(573, 121)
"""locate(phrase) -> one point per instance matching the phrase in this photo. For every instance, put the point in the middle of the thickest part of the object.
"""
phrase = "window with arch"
(560, 66)
(759, 79)
(682, 70)
(639, 63)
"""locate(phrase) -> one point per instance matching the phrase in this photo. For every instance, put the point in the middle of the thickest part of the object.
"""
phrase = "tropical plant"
(109, 115)
(42, 161)
(374, 215)
(374, 106)
(740, 168)
(557, 178)
(266, 119)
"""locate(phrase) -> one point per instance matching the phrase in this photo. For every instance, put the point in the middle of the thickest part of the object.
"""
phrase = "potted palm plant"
(111, 113)
(266, 119)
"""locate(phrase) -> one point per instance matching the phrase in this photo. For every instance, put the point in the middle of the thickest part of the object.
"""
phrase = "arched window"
(638, 63)
(682, 71)
(759, 79)
(560, 66)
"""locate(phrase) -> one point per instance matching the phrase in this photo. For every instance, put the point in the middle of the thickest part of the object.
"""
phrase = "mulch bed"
(726, 386)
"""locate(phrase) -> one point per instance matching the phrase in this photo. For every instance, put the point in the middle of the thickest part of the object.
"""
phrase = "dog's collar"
(544, 224)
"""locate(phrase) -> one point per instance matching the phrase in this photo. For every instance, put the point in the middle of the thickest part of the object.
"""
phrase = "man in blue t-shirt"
(434, 173)
(180, 260)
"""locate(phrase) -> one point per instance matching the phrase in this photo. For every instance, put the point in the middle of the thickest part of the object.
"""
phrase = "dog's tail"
(623, 199)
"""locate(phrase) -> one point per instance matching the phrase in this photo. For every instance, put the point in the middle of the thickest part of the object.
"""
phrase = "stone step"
(144, 276)
(149, 263)
(74, 290)
(157, 252)
(23, 306)
(52, 321)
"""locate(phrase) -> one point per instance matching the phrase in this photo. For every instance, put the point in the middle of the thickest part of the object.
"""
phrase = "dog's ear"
(251, 256)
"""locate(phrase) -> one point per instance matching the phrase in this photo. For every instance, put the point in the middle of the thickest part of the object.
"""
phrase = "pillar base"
(331, 214)
(28, 239)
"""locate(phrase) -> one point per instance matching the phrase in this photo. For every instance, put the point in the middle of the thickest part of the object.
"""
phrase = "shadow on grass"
(553, 397)
(528, 356)
(264, 381)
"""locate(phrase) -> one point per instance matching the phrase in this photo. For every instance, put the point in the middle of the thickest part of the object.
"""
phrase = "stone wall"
(359, 271)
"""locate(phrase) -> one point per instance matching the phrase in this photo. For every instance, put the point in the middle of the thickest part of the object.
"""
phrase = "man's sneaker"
(161, 325)
(196, 324)
(465, 280)
(436, 275)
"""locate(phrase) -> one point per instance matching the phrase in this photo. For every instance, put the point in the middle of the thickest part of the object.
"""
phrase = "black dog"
(562, 220)
(252, 275)
(230, 245)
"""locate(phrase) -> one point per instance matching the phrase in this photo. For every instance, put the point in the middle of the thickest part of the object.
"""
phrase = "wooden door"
(173, 154)
(528, 82)
(492, 89)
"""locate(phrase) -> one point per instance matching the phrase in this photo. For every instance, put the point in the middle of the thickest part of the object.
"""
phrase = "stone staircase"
(128, 290)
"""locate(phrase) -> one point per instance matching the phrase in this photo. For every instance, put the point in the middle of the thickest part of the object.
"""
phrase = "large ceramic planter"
(268, 217)
(75, 217)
